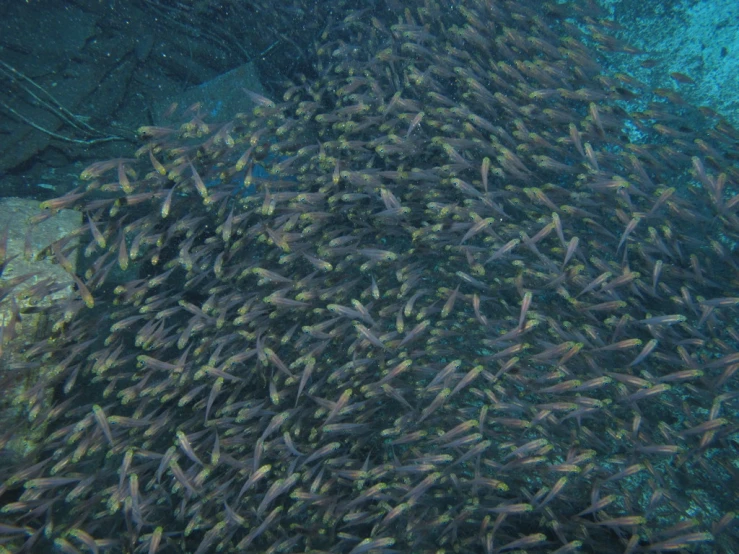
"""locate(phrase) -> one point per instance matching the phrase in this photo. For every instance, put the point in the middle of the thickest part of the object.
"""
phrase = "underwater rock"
(29, 288)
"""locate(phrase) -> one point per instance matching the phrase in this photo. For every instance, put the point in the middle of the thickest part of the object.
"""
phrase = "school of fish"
(465, 290)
